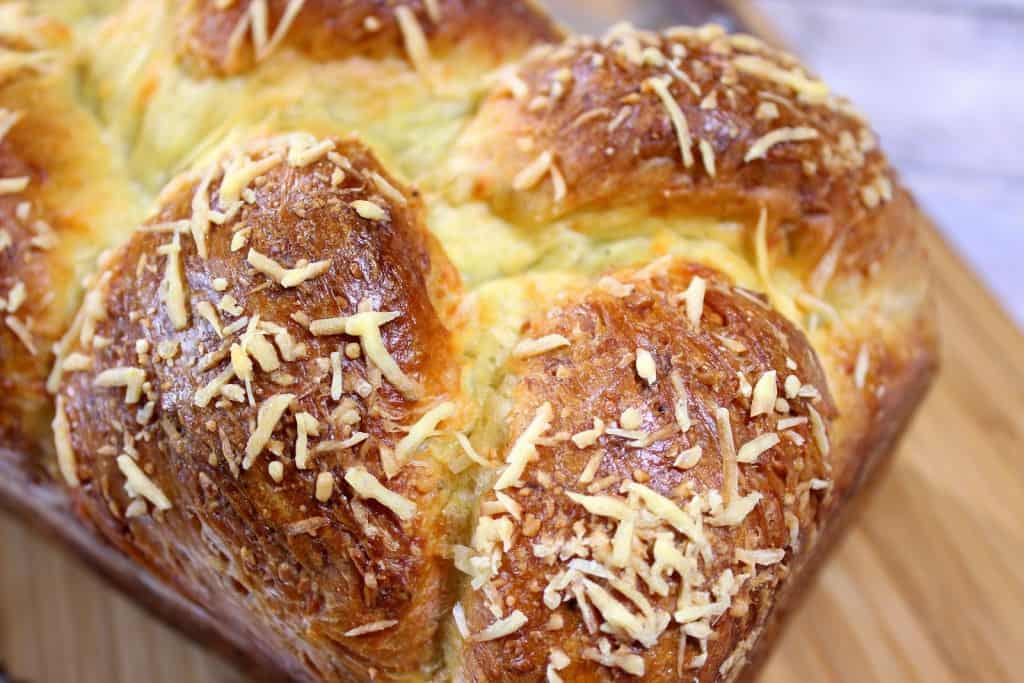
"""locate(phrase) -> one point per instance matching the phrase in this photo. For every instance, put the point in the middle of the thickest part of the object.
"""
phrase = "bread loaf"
(424, 341)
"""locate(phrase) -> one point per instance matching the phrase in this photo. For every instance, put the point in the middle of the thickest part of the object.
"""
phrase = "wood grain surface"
(928, 585)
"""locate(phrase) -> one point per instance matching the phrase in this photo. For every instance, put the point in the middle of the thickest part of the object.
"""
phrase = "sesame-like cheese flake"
(324, 487)
(142, 484)
(368, 486)
(689, 458)
(525, 448)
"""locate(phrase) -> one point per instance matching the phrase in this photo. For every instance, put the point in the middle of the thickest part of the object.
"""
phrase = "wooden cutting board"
(926, 586)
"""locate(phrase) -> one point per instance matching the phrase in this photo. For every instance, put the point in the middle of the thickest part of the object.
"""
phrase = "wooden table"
(927, 586)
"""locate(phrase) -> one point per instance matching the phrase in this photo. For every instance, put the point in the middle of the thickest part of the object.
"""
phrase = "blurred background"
(941, 80)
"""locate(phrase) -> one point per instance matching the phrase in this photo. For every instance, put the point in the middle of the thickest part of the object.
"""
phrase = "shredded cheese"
(62, 440)
(142, 484)
(752, 450)
(418, 433)
(766, 391)
(268, 46)
(414, 39)
(366, 485)
(286, 277)
(525, 448)
(533, 173)
(373, 627)
(660, 87)
(306, 426)
(682, 412)
(694, 297)
(13, 185)
(589, 437)
(730, 476)
(689, 458)
(173, 289)
(269, 414)
(369, 210)
(366, 326)
(324, 486)
(819, 431)
(646, 367)
(667, 511)
(502, 627)
(535, 347)
(129, 378)
(758, 66)
(762, 145)
(241, 173)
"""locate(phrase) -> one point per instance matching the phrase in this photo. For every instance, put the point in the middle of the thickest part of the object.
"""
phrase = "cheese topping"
(533, 173)
(758, 66)
(13, 185)
(766, 391)
(819, 431)
(200, 222)
(667, 511)
(326, 327)
(367, 486)
(306, 425)
(304, 150)
(372, 627)
(141, 484)
(366, 326)
(660, 87)
(173, 289)
(286, 277)
(752, 450)
(589, 437)
(369, 210)
(646, 368)
(694, 297)
(681, 410)
(762, 145)
(730, 483)
(8, 119)
(269, 414)
(525, 448)
(535, 347)
(418, 433)
(415, 42)
(240, 173)
(502, 627)
(129, 378)
(689, 458)
(62, 439)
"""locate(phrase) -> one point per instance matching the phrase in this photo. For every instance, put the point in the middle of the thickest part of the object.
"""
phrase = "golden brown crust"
(325, 30)
(58, 191)
(237, 535)
(601, 110)
(595, 376)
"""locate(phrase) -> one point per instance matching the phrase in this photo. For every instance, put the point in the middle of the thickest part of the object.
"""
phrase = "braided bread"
(424, 341)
